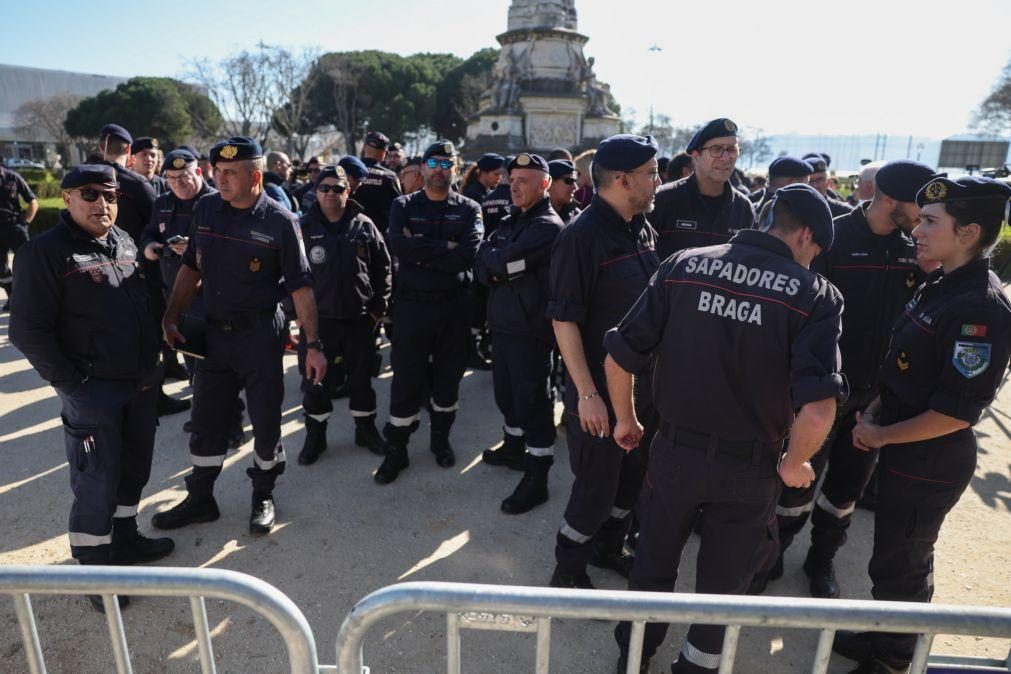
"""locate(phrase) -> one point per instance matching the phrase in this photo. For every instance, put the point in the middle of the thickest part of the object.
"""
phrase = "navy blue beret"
(90, 174)
(559, 168)
(625, 152)
(377, 140)
(143, 143)
(491, 162)
(332, 171)
(414, 160)
(189, 148)
(354, 167)
(178, 159)
(967, 188)
(717, 128)
(525, 160)
(901, 179)
(117, 131)
(818, 155)
(440, 148)
(816, 161)
(789, 167)
(236, 148)
(810, 208)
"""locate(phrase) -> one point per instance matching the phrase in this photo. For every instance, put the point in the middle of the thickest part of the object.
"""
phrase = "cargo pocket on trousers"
(80, 446)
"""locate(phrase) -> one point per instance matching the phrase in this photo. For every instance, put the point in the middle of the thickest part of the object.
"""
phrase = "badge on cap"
(936, 191)
(340, 172)
(178, 163)
(254, 263)
(229, 152)
(154, 143)
(971, 359)
(523, 160)
(447, 148)
(730, 126)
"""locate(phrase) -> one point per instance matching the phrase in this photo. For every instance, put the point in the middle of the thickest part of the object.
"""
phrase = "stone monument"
(544, 93)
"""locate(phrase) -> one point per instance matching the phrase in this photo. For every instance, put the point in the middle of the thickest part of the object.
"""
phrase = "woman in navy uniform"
(948, 354)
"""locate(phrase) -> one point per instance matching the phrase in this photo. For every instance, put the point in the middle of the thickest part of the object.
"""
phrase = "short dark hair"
(679, 162)
(989, 214)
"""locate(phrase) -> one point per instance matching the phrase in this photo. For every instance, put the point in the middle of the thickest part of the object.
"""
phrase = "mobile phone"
(178, 238)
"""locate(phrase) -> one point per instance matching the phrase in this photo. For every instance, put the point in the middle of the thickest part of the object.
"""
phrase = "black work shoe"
(315, 442)
(389, 469)
(443, 451)
(176, 370)
(168, 405)
(99, 605)
(261, 519)
(190, 511)
(853, 645)
(367, 436)
(578, 581)
(619, 562)
(135, 548)
(509, 454)
(622, 666)
(822, 575)
(529, 493)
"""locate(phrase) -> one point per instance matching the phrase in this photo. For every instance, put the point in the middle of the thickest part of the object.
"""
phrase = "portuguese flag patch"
(969, 330)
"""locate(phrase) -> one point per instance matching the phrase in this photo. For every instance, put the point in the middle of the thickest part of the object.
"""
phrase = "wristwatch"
(317, 344)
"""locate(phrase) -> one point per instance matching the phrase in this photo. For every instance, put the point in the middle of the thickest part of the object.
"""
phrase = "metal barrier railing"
(108, 581)
(530, 609)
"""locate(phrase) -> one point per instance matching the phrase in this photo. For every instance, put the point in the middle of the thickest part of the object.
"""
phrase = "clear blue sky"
(786, 66)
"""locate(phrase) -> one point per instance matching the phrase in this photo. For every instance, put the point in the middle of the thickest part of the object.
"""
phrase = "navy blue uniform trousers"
(521, 372)
(109, 428)
(352, 345)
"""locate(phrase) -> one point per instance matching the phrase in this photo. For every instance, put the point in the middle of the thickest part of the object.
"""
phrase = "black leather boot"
(509, 454)
(441, 423)
(190, 511)
(261, 517)
(315, 441)
(367, 436)
(396, 454)
(533, 487)
(821, 572)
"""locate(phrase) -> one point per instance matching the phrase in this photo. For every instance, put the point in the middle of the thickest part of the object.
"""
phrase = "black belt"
(418, 296)
(740, 449)
(242, 321)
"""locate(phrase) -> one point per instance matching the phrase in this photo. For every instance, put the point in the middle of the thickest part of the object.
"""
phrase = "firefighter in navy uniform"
(86, 322)
(245, 253)
(144, 154)
(873, 264)
(434, 234)
(600, 264)
(514, 264)
(703, 209)
(381, 186)
(948, 354)
(351, 281)
(484, 177)
(137, 197)
(563, 189)
(757, 333)
(13, 226)
(496, 204)
(783, 171)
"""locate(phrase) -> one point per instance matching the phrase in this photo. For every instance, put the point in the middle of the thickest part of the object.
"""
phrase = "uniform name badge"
(971, 358)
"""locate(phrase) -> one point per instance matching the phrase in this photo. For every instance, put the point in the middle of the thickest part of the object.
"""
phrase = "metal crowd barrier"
(530, 609)
(108, 581)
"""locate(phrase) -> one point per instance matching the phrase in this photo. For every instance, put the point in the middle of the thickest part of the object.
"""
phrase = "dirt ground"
(340, 536)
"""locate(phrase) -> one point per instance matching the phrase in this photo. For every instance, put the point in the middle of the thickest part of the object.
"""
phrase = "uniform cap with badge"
(117, 131)
(142, 143)
(717, 128)
(559, 168)
(525, 160)
(440, 148)
(810, 208)
(377, 140)
(90, 174)
(901, 179)
(332, 171)
(789, 167)
(814, 156)
(178, 159)
(967, 188)
(625, 152)
(491, 162)
(236, 148)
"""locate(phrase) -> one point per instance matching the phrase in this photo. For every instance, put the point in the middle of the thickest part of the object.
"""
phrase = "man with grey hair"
(865, 182)
(245, 252)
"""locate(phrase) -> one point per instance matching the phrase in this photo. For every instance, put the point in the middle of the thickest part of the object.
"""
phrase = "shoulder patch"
(971, 358)
(970, 330)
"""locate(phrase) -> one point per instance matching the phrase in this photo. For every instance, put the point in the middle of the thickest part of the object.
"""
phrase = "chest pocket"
(914, 349)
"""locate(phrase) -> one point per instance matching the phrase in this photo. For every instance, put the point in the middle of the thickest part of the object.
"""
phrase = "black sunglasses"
(336, 189)
(91, 195)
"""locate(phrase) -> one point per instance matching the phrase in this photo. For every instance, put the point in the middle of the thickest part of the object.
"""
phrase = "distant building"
(18, 85)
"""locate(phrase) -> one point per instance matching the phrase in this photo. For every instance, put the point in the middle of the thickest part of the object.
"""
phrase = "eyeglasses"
(336, 189)
(91, 195)
(437, 163)
(717, 151)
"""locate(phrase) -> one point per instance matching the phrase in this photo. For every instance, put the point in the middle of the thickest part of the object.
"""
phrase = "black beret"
(354, 167)
(189, 148)
(90, 174)
(491, 162)
(625, 152)
(715, 129)
(818, 163)
(789, 167)
(525, 160)
(236, 148)
(812, 156)
(143, 143)
(810, 208)
(377, 140)
(561, 167)
(396, 146)
(414, 160)
(440, 148)
(117, 131)
(901, 179)
(332, 171)
(967, 188)
(178, 159)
